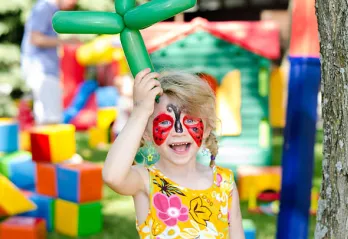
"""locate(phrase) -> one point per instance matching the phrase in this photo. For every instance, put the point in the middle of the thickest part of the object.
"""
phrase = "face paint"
(195, 127)
(162, 125)
(177, 113)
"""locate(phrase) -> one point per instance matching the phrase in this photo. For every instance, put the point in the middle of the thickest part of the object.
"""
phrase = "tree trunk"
(332, 217)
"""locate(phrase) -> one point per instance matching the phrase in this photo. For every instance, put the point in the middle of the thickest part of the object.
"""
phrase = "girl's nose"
(178, 127)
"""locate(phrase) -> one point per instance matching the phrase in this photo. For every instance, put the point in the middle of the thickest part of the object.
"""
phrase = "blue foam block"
(249, 229)
(19, 168)
(45, 209)
(67, 182)
(107, 96)
(23, 172)
(9, 137)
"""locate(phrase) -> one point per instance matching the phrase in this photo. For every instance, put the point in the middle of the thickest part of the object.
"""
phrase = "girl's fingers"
(156, 91)
(140, 76)
(151, 84)
(149, 77)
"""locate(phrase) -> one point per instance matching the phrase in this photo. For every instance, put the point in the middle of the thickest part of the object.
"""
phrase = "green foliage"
(12, 18)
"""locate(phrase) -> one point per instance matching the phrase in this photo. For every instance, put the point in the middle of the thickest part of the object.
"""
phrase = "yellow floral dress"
(178, 212)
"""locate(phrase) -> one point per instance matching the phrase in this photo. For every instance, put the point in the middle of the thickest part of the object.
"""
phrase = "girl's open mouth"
(180, 148)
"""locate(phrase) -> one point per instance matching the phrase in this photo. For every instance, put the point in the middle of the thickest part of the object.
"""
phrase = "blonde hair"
(194, 96)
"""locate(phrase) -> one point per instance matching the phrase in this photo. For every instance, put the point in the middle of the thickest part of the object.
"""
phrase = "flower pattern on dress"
(199, 212)
(170, 209)
(196, 232)
(218, 179)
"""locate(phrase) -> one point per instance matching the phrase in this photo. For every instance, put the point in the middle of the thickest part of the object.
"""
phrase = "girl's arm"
(236, 227)
(118, 172)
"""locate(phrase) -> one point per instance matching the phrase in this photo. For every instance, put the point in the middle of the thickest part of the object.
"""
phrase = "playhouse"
(236, 57)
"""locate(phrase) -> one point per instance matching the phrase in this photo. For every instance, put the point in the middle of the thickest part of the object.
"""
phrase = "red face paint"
(162, 125)
(195, 127)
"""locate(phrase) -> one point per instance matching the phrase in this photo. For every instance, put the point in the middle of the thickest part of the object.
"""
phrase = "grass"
(118, 211)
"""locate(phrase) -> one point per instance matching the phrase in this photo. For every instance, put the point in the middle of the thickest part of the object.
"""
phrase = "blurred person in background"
(40, 61)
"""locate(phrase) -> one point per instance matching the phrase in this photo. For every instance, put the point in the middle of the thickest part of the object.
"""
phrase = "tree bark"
(332, 215)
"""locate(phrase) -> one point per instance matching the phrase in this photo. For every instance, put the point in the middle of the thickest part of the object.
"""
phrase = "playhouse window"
(263, 81)
(228, 99)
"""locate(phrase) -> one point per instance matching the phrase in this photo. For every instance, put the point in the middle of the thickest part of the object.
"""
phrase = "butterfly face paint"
(195, 127)
(163, 124)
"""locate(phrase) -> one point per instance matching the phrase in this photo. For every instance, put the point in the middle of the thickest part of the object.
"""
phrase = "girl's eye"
(165, 123)
(191, 121)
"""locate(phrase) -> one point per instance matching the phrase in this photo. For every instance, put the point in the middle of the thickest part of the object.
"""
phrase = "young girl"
(177, 197)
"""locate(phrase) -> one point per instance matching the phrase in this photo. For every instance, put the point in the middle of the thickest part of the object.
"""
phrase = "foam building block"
(53, 143)
(105, 117)
(19, 168)
(107, 96)
(24, 139)
(262, 179)
(23, 227)
(46, 179)
(9, 135)
(80, 182)
(249, 229)
(45, 209)
(12, 200)
(97, 136)
(74, 219)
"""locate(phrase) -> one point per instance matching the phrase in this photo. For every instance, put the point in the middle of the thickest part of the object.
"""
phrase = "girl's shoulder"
(225, 173)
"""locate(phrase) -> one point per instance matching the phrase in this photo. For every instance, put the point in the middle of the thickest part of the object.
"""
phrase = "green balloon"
(122, 6)
(81, 22)
(135, 51)
(154, 11)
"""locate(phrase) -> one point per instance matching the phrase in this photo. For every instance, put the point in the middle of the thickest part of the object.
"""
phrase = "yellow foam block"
(64, 136)
(12, 200)
(228, 98)
(7, 121)
(97, 136)
(24, 140)
(66, 217)
(105, 116)
(262, 178)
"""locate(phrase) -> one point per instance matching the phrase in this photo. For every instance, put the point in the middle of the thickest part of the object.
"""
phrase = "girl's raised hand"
(146, 88)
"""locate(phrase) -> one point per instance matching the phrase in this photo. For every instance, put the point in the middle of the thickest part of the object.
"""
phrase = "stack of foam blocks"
(62, 196)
